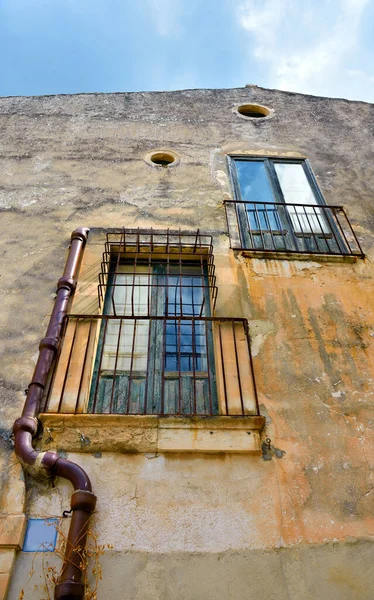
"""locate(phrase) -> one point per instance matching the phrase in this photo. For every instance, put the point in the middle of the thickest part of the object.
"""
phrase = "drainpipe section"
(49, 464)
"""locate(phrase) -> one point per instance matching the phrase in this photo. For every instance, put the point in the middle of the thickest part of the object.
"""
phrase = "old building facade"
(212, 366)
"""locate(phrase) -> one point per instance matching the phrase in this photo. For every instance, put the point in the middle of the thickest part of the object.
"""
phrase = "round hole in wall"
(162, 159)
(254, 111)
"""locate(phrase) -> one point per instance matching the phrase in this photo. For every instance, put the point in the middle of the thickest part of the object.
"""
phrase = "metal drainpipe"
(83, 501)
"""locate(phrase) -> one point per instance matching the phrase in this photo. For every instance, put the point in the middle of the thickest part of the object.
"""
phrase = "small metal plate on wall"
(41, 535)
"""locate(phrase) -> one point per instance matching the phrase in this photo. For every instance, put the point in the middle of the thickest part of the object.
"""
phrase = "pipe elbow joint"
(49, 461)
(81, 233)
(26, 424)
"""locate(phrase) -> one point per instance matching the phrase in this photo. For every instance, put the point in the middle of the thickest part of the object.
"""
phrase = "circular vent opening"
(162, 159)
(253, 111)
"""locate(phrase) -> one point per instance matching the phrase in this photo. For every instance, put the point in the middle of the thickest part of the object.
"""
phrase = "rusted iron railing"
(173, 365)
(291, 228)
(152, 260)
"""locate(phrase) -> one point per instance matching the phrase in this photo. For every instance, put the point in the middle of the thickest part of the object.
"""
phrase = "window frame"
(157, 334)
(267, 160)
(296, 239)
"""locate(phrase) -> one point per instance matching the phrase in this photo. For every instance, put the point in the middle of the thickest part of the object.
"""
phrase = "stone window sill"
(151, 433)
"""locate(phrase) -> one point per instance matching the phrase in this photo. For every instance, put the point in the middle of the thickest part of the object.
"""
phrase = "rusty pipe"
(49, 345)
(70, 585)
(83, 501)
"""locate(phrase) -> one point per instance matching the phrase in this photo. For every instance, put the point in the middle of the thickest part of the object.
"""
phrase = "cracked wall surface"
(217, 526)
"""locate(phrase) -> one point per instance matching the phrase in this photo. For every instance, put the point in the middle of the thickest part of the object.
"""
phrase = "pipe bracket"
(50, 343)
(67, 283)
(69, 590)
(83, 500)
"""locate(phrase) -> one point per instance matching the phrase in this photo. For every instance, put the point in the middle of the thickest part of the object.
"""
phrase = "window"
(152, 344)
(278, 207)
(157, 357)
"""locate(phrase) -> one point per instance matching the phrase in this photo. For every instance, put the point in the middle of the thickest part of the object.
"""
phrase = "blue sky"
(324, 47)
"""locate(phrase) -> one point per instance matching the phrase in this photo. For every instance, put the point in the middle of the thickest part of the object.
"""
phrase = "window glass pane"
(126, 345)
(126, 342)
(296, 190)
(294, 184)
(185, 350)
(186, 292)
(255, 188)
(253, 181)
(130, 293)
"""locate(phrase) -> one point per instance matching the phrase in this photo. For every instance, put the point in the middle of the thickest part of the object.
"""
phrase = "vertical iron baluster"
(223, 366)
(353, 233)
(316, 209)
(259, 225)
(196, 238)
(179, 369)
(116, 271)
(115, 365)
(267, 221)
(208, 367)
(237, 366)
(228, 228)
(246, 330)
(167, 284)
(131, 366)
(202, 277)
(336, 220)
(149, 287)
(133, 283)
(147, 371)
(56, 362)
(83, 366)
(162, 408)
(100, 363)
(298, 220)
(180, 276)
(249, 228)
(68, 366)
(240, 233)
(180, 404)
(311, 230)
(194, 358)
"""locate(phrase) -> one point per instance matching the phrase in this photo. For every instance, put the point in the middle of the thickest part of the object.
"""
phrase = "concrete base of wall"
(333, 571)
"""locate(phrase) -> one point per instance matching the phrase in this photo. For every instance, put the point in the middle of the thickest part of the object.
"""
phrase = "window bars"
(150, 260)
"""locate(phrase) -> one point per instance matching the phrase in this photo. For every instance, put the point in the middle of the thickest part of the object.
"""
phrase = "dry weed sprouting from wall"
(89, 563)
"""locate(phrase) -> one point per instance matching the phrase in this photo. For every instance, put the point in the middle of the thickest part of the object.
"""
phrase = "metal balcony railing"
(186, 366)
(291, 228)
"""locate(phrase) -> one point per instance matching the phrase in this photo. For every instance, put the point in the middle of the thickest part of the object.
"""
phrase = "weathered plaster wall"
(329, 571)
(67, 161)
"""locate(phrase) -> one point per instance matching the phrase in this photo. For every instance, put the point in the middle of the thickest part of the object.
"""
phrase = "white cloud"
(308, 49)
(262, 19)
(166, 16)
